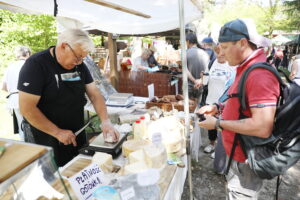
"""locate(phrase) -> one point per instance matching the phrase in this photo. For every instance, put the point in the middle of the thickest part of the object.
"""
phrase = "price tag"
(156, 138)
(85, 182)
(151, 91)
(127, 194)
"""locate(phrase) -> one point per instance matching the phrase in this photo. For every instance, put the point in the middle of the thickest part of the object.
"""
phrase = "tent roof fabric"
(164, 14)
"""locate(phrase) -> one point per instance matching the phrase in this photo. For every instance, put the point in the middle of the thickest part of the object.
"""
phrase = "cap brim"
(260, 41)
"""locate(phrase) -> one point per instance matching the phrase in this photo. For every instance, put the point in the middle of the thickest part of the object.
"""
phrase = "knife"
(86, 125)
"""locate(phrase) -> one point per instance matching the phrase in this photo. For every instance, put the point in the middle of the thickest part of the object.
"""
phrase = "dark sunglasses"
(224, 28)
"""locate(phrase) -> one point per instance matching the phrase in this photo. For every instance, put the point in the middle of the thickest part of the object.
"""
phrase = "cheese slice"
(136, 156)
(135, 168)
(133, 145)
(104, 161)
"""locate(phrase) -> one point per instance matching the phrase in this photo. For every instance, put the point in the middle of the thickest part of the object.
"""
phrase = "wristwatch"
(217, 126)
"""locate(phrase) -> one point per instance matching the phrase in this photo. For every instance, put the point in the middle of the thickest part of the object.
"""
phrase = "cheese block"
(104, 161)
(133, 145)
(155, 156)
(136, 156)
(172, 132)
(135, 168)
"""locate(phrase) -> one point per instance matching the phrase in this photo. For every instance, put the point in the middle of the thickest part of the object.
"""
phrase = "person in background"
(52, 87)
(197, 63)
(240, 42)
(208, 45)
(295, 69)
(10, 82)
(151, 60)
(219, 74)
(278, 57)
(141, 62)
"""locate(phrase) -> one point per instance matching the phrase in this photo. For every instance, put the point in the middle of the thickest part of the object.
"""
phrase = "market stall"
(152, 17)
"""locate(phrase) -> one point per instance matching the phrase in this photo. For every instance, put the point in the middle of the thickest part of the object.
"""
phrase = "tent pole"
(185, 93)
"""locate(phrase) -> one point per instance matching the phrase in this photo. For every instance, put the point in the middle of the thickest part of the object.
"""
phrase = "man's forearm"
(246, 127)
(37, 119)
(100, 107)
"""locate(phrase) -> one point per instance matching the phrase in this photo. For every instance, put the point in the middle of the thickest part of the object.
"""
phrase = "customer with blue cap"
(208, 45)
(240, 44)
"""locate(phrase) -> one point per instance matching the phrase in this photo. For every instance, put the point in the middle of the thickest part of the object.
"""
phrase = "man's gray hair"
(146, 51)
(76, 37)
(22, 52)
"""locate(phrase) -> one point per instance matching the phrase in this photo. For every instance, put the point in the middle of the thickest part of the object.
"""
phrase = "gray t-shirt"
(197, 62)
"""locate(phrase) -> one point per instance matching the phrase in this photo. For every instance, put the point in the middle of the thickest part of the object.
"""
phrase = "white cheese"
(156, 156)
(104, 161)
(136, 156)
(135, 168)
(133, 145)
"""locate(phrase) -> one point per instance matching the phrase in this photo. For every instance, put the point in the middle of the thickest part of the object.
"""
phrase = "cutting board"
(17, 156)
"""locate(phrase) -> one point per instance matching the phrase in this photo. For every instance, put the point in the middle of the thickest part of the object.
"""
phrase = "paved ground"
(210, 186)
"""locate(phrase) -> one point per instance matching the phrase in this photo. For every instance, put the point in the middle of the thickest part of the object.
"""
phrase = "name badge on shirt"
(74, 76)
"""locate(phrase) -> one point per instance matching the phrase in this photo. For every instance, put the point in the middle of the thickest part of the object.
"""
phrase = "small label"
(127, 194)
(156, 138)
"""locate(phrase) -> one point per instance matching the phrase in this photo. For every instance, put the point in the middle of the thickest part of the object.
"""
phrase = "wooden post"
(112, 49)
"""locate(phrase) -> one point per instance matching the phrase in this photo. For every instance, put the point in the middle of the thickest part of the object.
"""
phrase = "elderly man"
(239, 43)
(52, 87)
(141, 62)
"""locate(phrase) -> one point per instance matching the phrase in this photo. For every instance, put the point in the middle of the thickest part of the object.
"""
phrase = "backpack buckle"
(278, 143)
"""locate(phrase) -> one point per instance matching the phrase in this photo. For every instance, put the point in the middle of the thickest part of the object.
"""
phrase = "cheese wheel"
(133, 145)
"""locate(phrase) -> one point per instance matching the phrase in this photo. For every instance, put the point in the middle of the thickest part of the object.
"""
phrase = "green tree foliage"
(35, 31)
(268, 15)
(292, 8)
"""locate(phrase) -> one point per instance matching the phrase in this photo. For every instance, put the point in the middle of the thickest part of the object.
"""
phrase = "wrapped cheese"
(104, 161)
(155, 156)
(172, 132)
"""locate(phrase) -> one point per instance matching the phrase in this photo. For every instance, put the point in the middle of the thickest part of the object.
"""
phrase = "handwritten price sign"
(85, 182)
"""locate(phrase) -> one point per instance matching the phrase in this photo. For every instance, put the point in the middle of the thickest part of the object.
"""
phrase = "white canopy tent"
(163, 14)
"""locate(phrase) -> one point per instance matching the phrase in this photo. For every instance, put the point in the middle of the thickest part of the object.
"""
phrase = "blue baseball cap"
(242, 28)
(207, 40)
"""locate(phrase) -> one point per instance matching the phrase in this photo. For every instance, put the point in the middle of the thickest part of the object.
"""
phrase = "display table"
(171, 188)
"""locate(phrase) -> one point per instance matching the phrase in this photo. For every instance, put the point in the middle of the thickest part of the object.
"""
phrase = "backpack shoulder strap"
(242, 82)
(211, 62)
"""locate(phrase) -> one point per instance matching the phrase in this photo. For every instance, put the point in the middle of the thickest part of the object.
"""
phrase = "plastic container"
(138, 130)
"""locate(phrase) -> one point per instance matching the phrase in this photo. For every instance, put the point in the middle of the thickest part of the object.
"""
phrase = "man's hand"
(66, 137)
(208, 110)
(109, 133)
(198, 83)
(209, 123)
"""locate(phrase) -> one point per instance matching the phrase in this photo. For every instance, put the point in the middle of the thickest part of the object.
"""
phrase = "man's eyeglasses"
(78, 59)
(224, 28)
